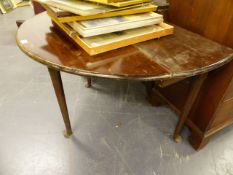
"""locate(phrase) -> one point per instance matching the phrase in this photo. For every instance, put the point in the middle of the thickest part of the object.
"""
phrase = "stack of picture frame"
(99, 26)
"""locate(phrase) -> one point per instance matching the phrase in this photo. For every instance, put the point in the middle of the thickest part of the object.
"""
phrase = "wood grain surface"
(212, 19)
(183, 54)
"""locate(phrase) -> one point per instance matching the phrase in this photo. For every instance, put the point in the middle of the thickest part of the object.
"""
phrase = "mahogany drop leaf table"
(182, 55)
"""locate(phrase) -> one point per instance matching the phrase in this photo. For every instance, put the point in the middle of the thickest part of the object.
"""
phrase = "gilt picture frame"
(6, 5)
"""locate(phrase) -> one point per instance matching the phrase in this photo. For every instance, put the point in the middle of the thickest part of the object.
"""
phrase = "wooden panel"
(224, 113)
(209, 19)
(229, 92)
(206, 17)
(208, 100)
(211, 96)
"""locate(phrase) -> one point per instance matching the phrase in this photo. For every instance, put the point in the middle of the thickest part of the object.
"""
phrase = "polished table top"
(183, 54)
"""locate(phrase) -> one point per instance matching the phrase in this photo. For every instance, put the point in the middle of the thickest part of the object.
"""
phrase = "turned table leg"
(58, 88)
(196, 86)
(88, 84)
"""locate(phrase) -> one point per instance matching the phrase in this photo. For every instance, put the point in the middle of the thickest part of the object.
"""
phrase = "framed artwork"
(6, 6)
(16, 1)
